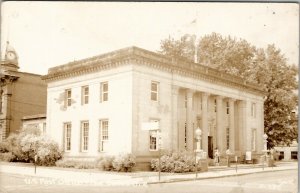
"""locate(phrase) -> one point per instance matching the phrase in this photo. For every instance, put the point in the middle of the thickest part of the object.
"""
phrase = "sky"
(48, 34)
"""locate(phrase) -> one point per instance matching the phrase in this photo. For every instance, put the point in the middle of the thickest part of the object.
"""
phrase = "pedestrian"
(217, 157)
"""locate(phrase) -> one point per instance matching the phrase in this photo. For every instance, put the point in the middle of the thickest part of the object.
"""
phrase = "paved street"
(269, 182)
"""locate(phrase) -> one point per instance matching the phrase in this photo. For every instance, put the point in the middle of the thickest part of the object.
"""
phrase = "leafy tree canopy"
(266, 67)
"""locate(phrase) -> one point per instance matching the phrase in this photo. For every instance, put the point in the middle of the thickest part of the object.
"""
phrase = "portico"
(222, 120)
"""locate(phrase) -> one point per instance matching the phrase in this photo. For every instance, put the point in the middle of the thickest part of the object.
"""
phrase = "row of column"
(220, 129)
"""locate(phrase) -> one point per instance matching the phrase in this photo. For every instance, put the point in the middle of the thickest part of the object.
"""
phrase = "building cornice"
(134, 55)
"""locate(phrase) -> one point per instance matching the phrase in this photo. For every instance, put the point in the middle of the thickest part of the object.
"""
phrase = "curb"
(213, 177)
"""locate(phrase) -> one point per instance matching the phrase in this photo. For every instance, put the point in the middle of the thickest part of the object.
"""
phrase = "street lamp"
(265, 137)
(198, 133)
(265, 150)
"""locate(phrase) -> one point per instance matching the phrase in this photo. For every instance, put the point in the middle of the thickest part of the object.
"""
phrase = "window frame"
(68, 99)
(227, 137)
(102, 141)
(104, 92)
(153, 139)
(227, 108)
(84, 139)
(85, 91)
(67, 140)
(155, 92)
(253, 110)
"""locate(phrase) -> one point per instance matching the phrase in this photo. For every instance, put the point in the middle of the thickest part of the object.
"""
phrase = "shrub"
(120, 163)
(28, 143)
(13, 146)
(177, 162)
(7, 157)
(105, 163)
(48, 152)
(3, 147)
(85, 165)
(78, 164)
(124, 163)
(65, 163)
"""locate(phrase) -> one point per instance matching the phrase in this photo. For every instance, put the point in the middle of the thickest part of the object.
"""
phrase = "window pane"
(67, 137)
(69, 93)
(105, 87)
(86, 90)
(105, 96)
(103, 138)
(153, 96)
(153, 135)
(153, 86)
(85, 135)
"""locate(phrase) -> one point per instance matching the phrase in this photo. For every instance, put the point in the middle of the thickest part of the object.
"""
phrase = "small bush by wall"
(78, 164)
(7, 157)
(105, 163)
(120, 163)
(124, 163)
(178, 162)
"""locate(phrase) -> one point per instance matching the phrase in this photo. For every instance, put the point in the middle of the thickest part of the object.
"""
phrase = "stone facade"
(142, 86)
(21, 94)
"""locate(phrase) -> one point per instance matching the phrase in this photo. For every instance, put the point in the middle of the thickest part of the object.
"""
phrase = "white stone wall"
(145, 109)
(118, 110)
(130, 105)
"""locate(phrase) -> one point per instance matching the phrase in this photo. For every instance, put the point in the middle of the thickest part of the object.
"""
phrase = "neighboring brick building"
(98, 105)
(21, 94)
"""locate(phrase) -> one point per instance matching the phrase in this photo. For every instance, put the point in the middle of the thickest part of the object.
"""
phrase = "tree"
(280, 100)
(266, 67)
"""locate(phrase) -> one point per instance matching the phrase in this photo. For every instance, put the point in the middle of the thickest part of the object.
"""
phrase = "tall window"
(153, 140)
(84, 135)
(227, 138)
(185, 136)
(85, 95)
(215, 105)
(68, 97)
(253, 110)
(103, 132)
(253, 140)
(104, 91)
(227, 108)
(67, 136)
(154, 91)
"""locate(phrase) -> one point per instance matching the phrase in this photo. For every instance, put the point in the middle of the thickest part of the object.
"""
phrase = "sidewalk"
(102, 178)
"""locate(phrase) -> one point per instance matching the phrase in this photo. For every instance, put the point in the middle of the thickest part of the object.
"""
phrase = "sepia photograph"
(139, 97)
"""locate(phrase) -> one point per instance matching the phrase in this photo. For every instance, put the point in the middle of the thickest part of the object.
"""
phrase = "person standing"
(217, 157)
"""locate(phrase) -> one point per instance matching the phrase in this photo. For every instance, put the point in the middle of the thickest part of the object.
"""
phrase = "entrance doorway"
(210, 147)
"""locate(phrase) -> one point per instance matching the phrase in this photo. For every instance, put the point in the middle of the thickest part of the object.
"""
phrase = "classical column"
(242, 125)
(204, 126)
(220, 127)
(189, 120)
(174, 134)
(231, 126)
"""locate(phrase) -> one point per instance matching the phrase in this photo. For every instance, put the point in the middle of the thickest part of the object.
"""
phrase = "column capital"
(231, 100)
(219, 97)
(190, 92)
(205, 94)
(175, 89)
